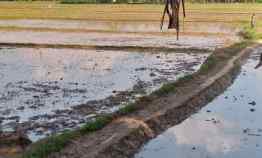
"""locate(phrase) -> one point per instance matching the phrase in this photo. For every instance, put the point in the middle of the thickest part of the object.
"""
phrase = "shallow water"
(40, 87)
(116, 33)
(116, 26)
(114, 39)
(228, 127)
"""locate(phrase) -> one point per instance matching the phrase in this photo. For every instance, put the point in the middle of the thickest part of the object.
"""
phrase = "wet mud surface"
(116, 26)
(46, 91)
(229, 126)
(112, 39)
(115, 33)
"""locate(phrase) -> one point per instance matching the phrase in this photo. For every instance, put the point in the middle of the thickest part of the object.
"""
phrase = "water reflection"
(228, 127)
(117, 26)
(43, 88)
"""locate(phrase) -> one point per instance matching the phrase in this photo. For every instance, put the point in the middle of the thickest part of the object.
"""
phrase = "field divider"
(107, 47)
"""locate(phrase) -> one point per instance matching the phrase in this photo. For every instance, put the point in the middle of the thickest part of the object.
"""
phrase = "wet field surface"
(112, 39)
(46, 91)
(115, 26)
(230, 126)
(116, 33)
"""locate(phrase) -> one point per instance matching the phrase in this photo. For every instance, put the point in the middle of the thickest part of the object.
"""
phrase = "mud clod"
(253, 103)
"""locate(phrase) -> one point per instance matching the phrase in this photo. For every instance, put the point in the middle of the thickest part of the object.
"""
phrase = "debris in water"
(152, 74)
(253, 103)
(252, 110)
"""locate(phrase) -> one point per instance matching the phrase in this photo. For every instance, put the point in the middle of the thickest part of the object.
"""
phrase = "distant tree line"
(143, 1)
(157, 1)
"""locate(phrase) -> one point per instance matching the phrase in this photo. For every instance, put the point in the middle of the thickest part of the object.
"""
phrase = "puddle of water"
(230, 126)
(41, 89)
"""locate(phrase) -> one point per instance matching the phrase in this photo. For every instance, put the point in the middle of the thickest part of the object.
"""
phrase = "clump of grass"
(127, 109)
(208, 64)
(185, 78)
(165, 89)
(50, 145)
(171, 87)
(56, 143)
(98, 124)
(222, 54)
(249, 33)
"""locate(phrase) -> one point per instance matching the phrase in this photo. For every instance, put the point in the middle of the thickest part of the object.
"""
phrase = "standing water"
(46, 91)
(230, 126)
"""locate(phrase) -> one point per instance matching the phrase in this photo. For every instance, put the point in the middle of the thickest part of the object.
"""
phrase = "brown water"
(228, 127)
(41, 90)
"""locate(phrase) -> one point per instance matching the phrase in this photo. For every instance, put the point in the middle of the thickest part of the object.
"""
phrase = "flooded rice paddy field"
(45, 91)
(112, 39)
(230, 126)
(116, 26)
(115, 33)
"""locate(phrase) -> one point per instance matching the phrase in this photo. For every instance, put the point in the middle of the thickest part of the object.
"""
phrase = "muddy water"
(114, 39)
(116, 33)
(116, 26)
(45, 91)
(230, 126)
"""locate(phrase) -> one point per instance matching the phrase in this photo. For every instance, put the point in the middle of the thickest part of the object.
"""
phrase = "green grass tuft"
(165, 89)
(127, 109)
(56, 143)
(171, 87)
(248, 33)
(50, 145)
(209, 64)
(98, 124)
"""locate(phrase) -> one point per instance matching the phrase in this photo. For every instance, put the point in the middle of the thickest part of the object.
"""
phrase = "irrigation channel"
(229, 126)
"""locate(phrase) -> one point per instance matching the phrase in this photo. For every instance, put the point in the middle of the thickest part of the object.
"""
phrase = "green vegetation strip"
(44, 148)
(56, 143)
